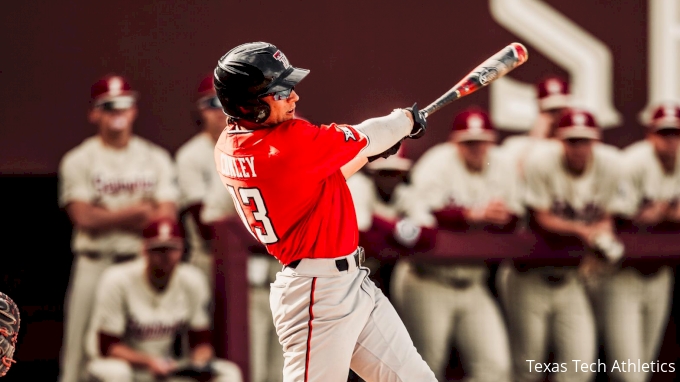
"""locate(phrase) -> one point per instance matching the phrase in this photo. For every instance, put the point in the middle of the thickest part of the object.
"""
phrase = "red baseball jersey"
(288, 188)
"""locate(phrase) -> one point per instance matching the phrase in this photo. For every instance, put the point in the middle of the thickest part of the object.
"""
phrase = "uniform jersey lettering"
(265, 233)
(235, 167)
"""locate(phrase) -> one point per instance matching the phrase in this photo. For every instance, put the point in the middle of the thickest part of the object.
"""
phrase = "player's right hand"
(419, 122)
(161, 367)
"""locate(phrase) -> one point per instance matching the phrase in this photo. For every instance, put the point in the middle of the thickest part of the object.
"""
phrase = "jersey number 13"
(249, 196)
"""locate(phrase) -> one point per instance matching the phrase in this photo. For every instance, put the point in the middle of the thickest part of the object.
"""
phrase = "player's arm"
(558, 225)
(87, 216)
(353, 166)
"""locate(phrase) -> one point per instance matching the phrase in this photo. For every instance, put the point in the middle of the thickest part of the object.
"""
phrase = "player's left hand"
(419, 122)
(387, 153)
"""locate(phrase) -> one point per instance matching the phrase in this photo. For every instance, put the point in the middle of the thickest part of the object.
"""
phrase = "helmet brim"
(288, 79)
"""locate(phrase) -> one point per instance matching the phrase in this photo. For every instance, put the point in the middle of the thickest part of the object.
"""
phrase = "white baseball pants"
(437, 316)
(633, 312)
(329, 321)
(540, 314)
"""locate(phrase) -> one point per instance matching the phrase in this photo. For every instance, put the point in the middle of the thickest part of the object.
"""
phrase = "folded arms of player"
(91, 217)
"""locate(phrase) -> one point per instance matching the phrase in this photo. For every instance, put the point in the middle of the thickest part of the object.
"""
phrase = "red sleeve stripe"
(309, 333)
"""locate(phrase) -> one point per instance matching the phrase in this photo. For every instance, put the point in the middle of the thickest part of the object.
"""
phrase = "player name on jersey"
(236, 167)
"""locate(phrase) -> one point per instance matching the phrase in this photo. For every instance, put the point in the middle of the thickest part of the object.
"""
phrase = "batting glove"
(419, 122)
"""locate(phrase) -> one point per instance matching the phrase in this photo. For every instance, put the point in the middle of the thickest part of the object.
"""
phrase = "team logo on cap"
(475, 124)
(669, 111)
(281, 57)
(553, 86)
(164, 231)
(115, 86)
(579, 120)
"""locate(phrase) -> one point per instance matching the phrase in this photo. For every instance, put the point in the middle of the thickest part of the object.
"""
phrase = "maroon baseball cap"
(473, 125)
(577, 124)
(163, 233)
(114, 92)
(665, 116)
(206, 96)
(553, 93)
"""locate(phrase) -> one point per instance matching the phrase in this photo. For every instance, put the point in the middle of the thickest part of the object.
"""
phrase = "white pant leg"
(109, 370)
(384, 351)
(85, 276)
(481, 337)
(574, 334)
(428, 310)
(318, 321)
(528, 309)
(634, 311)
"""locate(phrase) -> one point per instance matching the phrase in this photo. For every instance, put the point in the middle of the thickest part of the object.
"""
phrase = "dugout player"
(196, 172)
(111, 186)
(553, 97)
(381, 196)
(266, 357)
(287, 178)
(571, 188)
(634, 303)
(466, 184)
(140, 309)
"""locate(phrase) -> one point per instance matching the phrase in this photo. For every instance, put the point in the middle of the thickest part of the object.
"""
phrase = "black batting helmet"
(250, 71)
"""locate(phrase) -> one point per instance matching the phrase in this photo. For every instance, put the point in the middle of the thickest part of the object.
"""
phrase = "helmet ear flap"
(261, 112)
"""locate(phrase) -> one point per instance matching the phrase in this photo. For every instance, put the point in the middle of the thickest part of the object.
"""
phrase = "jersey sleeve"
(109, 306)
(166, 190)
(74, 182)
(192, 182)
(199, 293)
(325, 149)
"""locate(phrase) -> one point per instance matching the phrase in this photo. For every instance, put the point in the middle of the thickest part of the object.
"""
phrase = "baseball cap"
(396, 162)
(113, 92)
(205, 96)
(473, 125)
(553, 93)
(163, 233)
(577, 124)
(665, 116)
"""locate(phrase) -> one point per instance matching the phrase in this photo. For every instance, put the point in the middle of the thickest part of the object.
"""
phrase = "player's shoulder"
(122, 274)
(82, 151)
(196, 146)
(639, 150)
(544, 155)
(191, 277)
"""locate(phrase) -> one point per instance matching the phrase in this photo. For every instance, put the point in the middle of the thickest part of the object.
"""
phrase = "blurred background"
(366, 58)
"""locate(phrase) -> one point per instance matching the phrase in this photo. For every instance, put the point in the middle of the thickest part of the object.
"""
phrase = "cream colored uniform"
(266, 355)
(113, 179)
(540, 312)
(633, 308)
(147, 320)
(195, 173)
(448, 304)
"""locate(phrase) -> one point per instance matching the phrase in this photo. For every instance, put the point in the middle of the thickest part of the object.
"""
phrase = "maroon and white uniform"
(634, 303)
(445, 304)
(128, 309)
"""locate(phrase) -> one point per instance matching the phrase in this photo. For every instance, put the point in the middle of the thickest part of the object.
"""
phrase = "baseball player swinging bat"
(488, 71)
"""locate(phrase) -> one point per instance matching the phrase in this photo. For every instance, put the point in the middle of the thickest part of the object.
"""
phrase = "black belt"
(117, 258)
(341, 264)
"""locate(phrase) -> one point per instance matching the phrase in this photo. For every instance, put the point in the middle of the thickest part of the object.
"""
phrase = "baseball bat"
(488, 71)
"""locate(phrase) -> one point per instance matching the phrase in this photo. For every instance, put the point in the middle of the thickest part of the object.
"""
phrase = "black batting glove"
(419, 122)
(389, 152)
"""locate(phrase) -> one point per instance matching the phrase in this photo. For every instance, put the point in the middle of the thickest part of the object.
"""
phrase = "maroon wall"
(366, 58)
